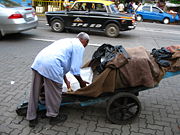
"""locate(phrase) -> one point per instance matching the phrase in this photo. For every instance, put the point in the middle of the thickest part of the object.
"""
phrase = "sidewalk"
(160, 114)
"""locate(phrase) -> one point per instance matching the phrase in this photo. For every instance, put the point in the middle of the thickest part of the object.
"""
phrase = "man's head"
(84, 38)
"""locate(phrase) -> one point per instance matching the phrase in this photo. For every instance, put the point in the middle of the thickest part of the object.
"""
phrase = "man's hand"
(83, 83)
(68, 84)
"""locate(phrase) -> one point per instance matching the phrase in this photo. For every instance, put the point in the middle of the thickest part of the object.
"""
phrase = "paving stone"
(163, 113)
(103, 130)
(175, 128)
(134, 133)
(154, 127)
(70, 124)
(61, 133)
(82, 129)
(147, 131)
(72, 131)
(173, 116)
(16, 126)
(60, 128)
(93, 133)
(116, 132)
(173, 120)
(5, 129)
(162, 123)
(142, 123)
(91, 126)
(159, 132)
(134, 127)
(126, 130)
(49, 132)
(15, 132)
(168, 131)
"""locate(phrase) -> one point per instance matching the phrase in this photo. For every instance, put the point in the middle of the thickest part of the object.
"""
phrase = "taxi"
(91, 16)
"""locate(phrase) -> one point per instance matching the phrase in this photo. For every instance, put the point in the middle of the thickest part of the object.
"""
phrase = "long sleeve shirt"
(62, 56)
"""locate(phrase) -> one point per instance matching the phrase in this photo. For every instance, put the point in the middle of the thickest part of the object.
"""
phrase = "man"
(49, 69)
(121, 7)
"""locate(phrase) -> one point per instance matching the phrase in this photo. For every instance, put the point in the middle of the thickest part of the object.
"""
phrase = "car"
(91, 16)
(156, 14)
(16, 18)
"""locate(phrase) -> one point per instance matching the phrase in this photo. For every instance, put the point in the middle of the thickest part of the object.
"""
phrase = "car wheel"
(166, 20)
(57, 25)
(139, 18)
(112, 30)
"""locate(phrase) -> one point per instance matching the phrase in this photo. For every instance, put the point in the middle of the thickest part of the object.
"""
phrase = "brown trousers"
(53, 92)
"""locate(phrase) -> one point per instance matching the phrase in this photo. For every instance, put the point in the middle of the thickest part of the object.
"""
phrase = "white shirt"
(62, 56)
(121, 7)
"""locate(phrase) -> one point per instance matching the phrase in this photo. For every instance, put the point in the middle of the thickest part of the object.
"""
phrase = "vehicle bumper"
(132, 27)
(19, 26)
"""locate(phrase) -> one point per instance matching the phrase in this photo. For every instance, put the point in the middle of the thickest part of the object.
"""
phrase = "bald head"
(84, 38)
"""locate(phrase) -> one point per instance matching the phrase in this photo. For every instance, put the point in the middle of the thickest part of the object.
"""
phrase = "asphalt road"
(160, 106)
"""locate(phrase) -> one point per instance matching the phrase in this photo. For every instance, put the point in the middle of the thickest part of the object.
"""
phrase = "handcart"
(123, 106)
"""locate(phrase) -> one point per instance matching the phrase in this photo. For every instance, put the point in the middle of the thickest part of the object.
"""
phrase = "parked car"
(155, 14)
(15, 18)
(91, 15)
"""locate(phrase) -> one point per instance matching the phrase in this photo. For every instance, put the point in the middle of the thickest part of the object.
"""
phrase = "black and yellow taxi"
(91, 16)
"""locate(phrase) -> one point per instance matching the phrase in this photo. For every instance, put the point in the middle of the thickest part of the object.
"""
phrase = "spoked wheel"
(0, 35)
(123, 108)
(57, 25)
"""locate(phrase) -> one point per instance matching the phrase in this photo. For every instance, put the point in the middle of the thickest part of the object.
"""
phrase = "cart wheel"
(0, 35)
(123, 108)
(22, 109)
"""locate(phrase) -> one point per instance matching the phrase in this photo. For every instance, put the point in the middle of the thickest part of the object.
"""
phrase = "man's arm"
(67, 82)
(81, 81)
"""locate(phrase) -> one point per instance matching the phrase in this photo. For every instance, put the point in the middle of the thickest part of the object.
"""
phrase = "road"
(160, 106)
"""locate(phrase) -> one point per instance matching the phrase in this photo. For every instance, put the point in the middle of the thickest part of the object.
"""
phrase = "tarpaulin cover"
(140, 70)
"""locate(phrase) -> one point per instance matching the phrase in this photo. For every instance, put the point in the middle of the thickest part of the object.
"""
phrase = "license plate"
(29, 15)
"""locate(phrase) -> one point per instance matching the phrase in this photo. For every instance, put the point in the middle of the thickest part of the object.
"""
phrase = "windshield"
(8, 3)
(114, 9)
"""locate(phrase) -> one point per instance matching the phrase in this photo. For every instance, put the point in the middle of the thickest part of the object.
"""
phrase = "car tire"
(57, 25)
(112, 30)
(139, 18)
(166, 21)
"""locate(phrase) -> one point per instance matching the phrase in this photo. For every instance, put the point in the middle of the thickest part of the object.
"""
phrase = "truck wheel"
(139, 18)
(123, 108)
(112, 30)
(57, 25)
(166, 20)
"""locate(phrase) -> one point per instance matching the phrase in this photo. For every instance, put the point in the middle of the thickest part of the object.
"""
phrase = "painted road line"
(158, 30)
(49, 40)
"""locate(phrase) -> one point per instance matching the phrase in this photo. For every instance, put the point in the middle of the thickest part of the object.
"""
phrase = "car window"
(99, 7)
(146, 8)
(114, 9)
(154, 9)
(80, 6)
(8, 3)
